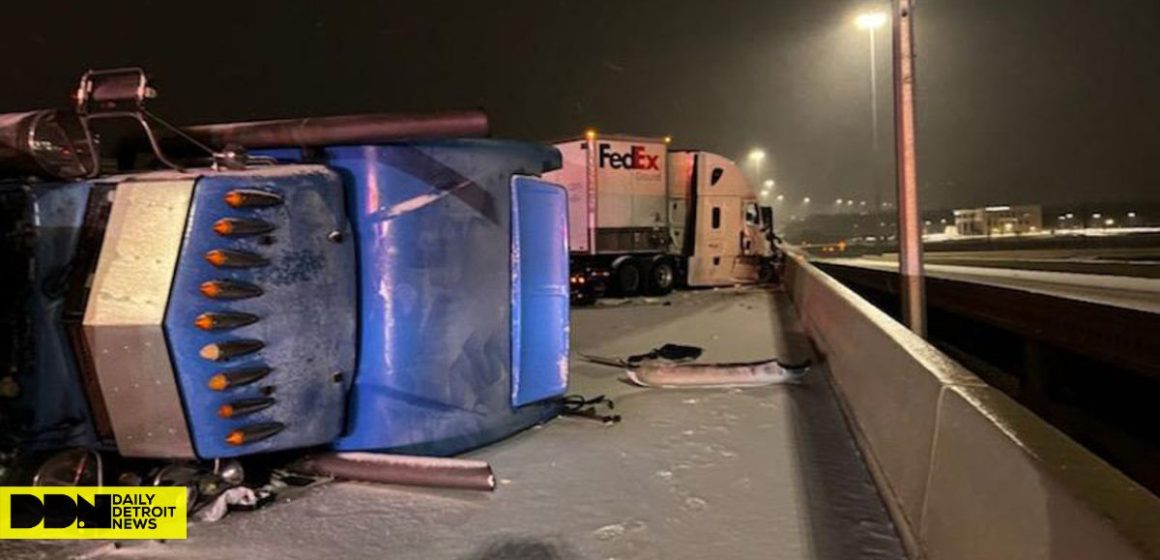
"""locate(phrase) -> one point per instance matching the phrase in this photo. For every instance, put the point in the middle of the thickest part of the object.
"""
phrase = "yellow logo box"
(92, 512)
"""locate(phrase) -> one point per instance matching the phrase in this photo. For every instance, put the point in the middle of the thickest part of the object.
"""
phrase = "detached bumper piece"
(222, 313)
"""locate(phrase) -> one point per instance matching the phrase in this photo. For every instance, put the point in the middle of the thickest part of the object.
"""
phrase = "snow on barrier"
(966, 472)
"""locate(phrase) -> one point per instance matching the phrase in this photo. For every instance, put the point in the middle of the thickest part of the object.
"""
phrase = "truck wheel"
(766, 273)
(662, 277)
(626, 278)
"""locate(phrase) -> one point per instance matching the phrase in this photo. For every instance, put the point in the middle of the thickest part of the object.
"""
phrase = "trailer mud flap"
(540, 290)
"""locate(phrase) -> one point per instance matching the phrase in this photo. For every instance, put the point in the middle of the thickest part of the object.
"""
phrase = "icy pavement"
(755, 473)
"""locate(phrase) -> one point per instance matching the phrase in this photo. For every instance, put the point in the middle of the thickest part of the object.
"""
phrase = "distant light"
(838, 202)
(872, 20)
(1097, 215)
(668, 139)
(997, 208)
(928, 222)
(1062, 217)
(765, 192)
(1131, 214)
(769, 183)
(757, 154)
(1033, 228)
(806, 200)
(1070, 215)
(1109, 222)
(781, 198)
(862, 203)
(590, 134)
(942, 221)
(849, 203)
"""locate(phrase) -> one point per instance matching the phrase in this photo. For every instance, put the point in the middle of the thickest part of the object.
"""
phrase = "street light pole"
(909, 229)
(873, 93)
(870, 22)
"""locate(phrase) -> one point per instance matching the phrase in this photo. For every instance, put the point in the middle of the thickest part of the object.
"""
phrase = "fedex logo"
(635, 158)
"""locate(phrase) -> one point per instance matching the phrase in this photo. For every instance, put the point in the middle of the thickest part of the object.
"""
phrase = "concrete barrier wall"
(966, 471)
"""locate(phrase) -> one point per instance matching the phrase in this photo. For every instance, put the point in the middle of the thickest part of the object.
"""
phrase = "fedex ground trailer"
(644, 219)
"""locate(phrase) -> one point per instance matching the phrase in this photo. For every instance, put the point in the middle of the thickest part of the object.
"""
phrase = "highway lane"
(769, 472)
(1141, 294)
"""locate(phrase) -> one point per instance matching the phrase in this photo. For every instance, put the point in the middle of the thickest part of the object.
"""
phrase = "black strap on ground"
(670, 352)
(583, 407)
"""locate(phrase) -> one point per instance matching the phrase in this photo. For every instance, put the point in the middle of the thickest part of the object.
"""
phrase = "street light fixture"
(769, 183)
(871, 20)
(806, 200)
(756, 156)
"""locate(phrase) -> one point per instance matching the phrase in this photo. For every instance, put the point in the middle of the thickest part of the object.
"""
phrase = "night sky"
(1022, 101)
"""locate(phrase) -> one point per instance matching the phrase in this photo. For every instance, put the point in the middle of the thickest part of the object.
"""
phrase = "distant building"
(999, 220)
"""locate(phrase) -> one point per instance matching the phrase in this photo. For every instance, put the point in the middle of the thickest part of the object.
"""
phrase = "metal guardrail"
(966, 471)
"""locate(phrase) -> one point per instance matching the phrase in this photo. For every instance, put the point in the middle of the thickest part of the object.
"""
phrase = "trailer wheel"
(626, 278)
(662, 277)
(766, 272)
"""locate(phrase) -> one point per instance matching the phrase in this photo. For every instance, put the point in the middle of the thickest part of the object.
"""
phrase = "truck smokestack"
(340, 130)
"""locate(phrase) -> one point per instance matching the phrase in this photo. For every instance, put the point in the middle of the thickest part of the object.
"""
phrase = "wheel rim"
(663, 275)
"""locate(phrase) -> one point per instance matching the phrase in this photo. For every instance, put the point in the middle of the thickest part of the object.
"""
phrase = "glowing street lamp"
(871, 20)
(756, 156)
(806, 200)
(769, 183)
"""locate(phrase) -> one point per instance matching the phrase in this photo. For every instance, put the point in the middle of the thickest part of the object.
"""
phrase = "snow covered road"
(770, 472)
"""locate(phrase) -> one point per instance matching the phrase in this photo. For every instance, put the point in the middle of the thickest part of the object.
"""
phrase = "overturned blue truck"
(384, 283)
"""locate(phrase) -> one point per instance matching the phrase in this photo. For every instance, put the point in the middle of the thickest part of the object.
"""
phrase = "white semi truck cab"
(644, 219)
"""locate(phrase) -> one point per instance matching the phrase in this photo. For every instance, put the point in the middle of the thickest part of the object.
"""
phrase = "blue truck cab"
(406, 295)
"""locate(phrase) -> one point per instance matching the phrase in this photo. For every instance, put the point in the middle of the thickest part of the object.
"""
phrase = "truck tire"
(766, 272)
(626, 278)
(662, 277)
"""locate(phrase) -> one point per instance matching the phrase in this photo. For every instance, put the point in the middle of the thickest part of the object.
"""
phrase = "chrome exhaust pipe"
(437, 472)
